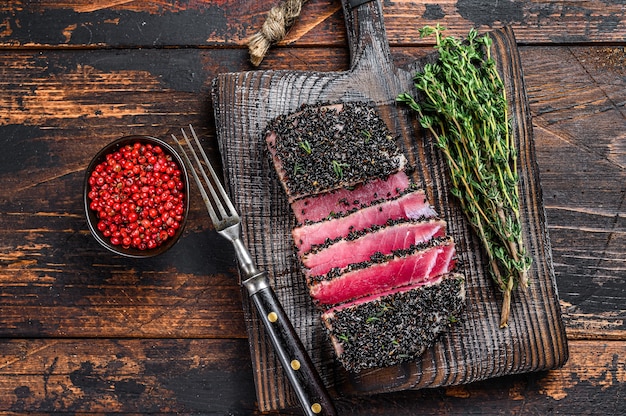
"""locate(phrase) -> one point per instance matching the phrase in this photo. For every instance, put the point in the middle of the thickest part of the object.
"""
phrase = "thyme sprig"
(465, 108)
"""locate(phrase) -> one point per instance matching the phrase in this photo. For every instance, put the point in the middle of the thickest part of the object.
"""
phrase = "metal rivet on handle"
(272, 317)
(316, 408)
(295, 364)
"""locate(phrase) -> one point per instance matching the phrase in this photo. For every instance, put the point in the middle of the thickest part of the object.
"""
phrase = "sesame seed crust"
(395, 328)
(321, 148)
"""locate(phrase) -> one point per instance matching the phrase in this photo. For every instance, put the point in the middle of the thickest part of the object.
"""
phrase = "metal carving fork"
(297, 364)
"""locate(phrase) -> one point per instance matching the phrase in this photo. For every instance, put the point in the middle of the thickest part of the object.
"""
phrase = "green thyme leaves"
(463, 104)
(306, 146)
(338, 168)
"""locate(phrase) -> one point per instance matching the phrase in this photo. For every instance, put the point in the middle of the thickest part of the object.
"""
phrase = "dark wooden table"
(85, 331)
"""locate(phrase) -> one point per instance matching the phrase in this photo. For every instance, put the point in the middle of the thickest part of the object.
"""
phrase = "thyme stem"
(465, 109)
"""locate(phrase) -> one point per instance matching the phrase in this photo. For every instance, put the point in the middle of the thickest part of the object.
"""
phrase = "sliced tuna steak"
(322, 148)
(412, 205)
(360, 280)
(396, 327)
(360, 246)
(345, 200)
(376, 296)
(374, 253)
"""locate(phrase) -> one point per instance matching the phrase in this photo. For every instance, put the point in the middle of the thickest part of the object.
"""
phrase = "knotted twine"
(279, 20)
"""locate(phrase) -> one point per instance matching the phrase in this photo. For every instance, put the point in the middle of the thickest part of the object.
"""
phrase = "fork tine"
(219, 206)
(214, 202)
(215, 179)
(205, 197)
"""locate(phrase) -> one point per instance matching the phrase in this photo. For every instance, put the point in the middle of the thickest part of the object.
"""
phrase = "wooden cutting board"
(473, 350)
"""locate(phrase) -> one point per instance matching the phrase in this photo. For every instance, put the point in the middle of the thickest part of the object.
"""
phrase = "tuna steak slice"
(345, 200)
(321, 148)
(419, 265)
(360, 246)
(376, 296)
(395, 327)
(412, 205)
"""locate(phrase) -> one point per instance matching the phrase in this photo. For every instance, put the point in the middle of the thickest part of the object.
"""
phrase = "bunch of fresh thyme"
(465, 108)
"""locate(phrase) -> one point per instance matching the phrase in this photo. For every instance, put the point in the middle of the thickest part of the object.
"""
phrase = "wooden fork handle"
(294, 358)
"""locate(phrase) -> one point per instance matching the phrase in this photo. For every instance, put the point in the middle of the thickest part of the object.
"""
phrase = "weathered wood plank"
(63, 24)
(126, 376)
(56, 281)
(57, 110)
(215, 377)
(577, 97)
(594, 376)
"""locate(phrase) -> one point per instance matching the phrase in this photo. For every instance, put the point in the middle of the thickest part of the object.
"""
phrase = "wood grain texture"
(168, 335)
(476, 349)
(585, 206)
(214, 377)
(229, 23)
(58, 110)
(127, 376)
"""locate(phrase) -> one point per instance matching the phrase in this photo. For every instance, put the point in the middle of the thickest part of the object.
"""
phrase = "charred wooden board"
(474, 350)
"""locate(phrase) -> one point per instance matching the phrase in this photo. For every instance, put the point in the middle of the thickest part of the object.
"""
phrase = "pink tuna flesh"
(412, 205)
(270, 139)
(421, 266)
(401, 289)
(384, 240)
(318, 207)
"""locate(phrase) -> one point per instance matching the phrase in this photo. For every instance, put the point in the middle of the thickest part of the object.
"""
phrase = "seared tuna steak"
(412, 205)
(383, 272)
(345, 200)
(374, 254)
(391, 328)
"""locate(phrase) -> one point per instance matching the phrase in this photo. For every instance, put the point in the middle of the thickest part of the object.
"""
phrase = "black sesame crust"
(326, 147)
(395, 328)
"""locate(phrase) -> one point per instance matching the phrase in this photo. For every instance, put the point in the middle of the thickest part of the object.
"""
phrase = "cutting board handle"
(367, 39)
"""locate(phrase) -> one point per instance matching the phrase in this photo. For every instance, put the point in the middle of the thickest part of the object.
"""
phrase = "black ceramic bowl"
(92, 215)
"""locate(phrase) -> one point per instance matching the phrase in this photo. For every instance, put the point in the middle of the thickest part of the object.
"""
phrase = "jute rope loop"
(279, 20)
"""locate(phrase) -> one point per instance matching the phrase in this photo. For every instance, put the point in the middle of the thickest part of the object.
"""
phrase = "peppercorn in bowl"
(136, 196)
